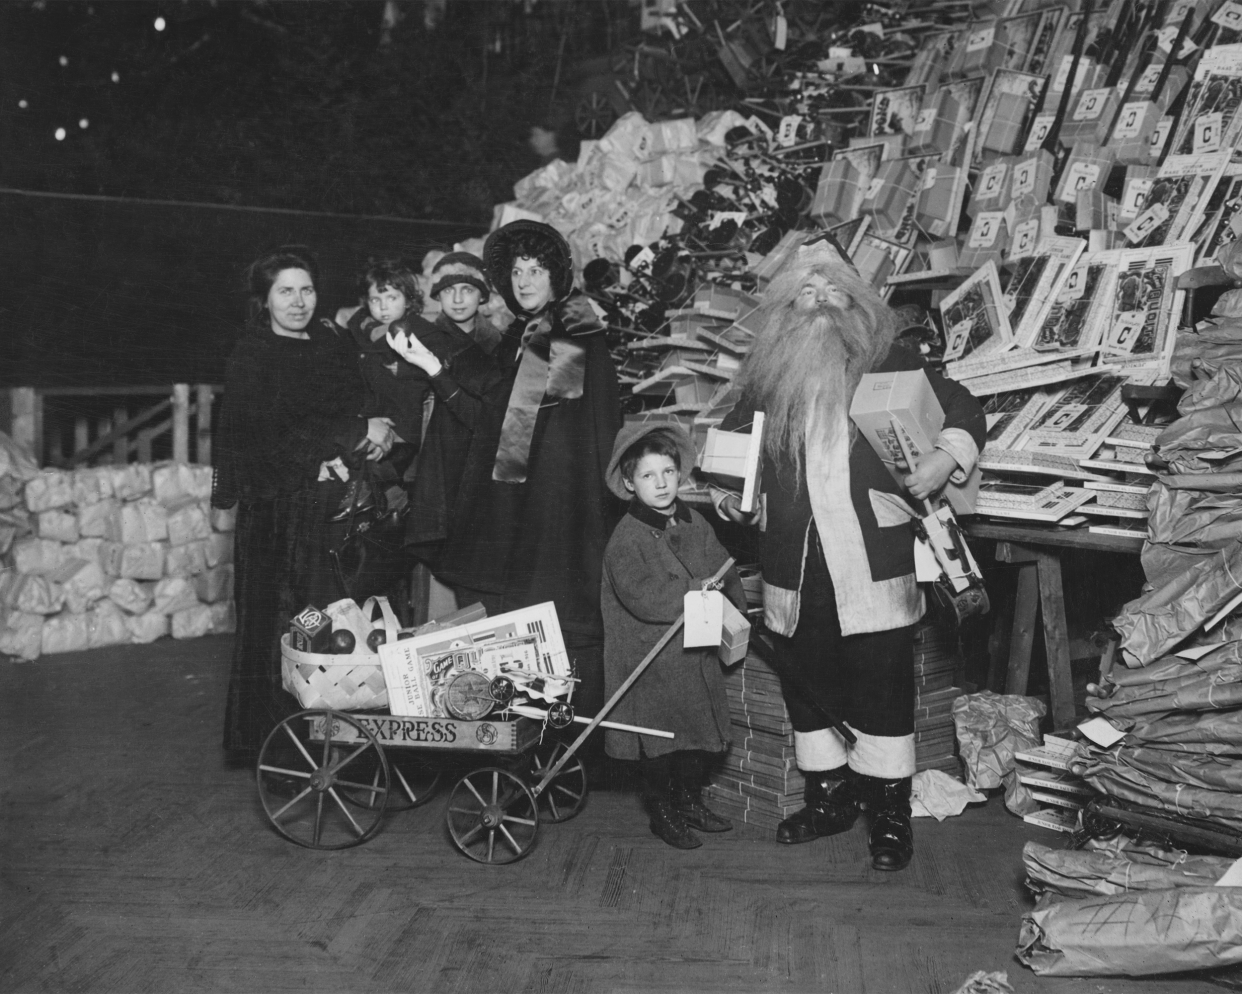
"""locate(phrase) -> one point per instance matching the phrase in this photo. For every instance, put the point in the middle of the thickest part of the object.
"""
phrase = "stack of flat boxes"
(759, 782)
(935, 664)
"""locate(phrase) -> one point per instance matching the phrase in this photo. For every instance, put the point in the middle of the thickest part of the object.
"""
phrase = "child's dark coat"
(650, 563)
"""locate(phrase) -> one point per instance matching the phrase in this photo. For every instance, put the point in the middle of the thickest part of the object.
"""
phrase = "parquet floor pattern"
(133, 861)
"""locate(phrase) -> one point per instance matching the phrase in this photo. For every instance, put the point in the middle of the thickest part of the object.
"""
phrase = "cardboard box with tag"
(889, 194)
(937, 202)
(904, 399)
(1090, 115)
(991, 190)
(988, 240)
(936, 125)
(1087, 168)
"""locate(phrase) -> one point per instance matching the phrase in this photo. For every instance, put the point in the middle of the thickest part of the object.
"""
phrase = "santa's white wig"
(813, 349)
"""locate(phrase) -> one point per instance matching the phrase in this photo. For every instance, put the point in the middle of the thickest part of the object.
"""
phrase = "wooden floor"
(133, 861)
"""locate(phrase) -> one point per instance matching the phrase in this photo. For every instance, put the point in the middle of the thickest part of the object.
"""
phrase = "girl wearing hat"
(457, 353)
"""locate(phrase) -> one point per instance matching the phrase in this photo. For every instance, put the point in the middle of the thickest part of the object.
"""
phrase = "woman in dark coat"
(533, 514)
(291, 406)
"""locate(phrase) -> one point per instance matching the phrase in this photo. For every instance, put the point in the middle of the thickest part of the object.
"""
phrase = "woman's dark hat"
(500, 251)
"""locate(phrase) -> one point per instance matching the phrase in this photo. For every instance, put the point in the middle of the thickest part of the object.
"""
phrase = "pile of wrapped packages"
(109, 555)
(1031, 184)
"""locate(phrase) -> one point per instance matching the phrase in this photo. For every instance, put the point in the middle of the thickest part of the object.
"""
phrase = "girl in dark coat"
(660, 551)
(464, 375)
(292, 404)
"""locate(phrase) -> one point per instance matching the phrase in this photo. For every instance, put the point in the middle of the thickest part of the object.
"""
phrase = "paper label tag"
(704, 618)
(926, 568)
(643, 260)
(1130, 121)
(1039, 131)
(1024, 175)
(1147, 222)
(787, 133)
(719, 217)
(780, 36)
(992, 182)
(1091, 104)
(1025, 238)
(1134, 196)
(985, 229)
(1084, 66)
(1233, 875)
(926, 118)
(1207, 132)
(1165, 38)
(1147, 82)
(1229, 16)
(874, 188)
(929, 178)
(1160, 135)
(978, 40)
(1101, 732)
(1081, 176)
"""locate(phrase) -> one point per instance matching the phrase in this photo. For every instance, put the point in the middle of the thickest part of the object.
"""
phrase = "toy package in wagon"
(525, 646)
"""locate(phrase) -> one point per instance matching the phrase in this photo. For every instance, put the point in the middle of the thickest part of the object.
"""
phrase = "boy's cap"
(634, 431)
(459, 267)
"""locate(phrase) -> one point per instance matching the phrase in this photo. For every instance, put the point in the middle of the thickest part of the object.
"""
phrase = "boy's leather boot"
(830, 807)
(666, 821)
(688, 795)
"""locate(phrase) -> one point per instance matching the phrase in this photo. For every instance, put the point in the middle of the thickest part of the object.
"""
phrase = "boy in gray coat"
(658, 552)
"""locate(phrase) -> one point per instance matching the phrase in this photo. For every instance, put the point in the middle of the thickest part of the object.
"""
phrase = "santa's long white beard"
(808, 366)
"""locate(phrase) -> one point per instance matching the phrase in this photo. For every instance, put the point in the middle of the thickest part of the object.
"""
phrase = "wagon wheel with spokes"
(492, 816)
(414, 780)
(566, 793)
(306, 766)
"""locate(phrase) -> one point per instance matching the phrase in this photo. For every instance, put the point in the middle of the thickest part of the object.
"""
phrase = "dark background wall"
(100, 291)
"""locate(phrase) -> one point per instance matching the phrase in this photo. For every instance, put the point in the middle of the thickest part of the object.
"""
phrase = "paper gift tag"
(704, 618)
(1101, 732)
(926, 568)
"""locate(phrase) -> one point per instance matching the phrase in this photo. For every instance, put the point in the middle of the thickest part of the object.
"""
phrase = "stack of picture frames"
(1041, 182)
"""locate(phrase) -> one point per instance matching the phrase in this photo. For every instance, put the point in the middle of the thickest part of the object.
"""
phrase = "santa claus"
(839, 591)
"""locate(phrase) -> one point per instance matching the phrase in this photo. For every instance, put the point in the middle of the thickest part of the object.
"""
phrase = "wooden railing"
(105, 427)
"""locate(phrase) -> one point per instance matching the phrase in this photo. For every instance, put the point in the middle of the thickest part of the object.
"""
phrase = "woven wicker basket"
(346, 682)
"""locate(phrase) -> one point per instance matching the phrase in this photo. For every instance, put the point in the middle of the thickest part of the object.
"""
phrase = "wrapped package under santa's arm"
(929, 413)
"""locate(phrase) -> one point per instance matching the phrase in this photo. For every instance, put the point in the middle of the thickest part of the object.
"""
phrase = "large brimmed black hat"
(528, 238)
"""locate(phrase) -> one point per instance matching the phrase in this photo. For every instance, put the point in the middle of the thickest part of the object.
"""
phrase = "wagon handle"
(673, 629)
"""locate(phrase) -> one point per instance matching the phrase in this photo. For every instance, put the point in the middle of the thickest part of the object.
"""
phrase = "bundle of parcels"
(109, 555)
(1120, 908)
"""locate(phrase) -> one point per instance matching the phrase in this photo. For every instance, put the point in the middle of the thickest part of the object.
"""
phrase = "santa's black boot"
(892, 838)
(688, 794)
(666, 821)
(830, 807)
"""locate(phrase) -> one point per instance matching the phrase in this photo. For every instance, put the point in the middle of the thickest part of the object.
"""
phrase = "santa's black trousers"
(866, 680)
